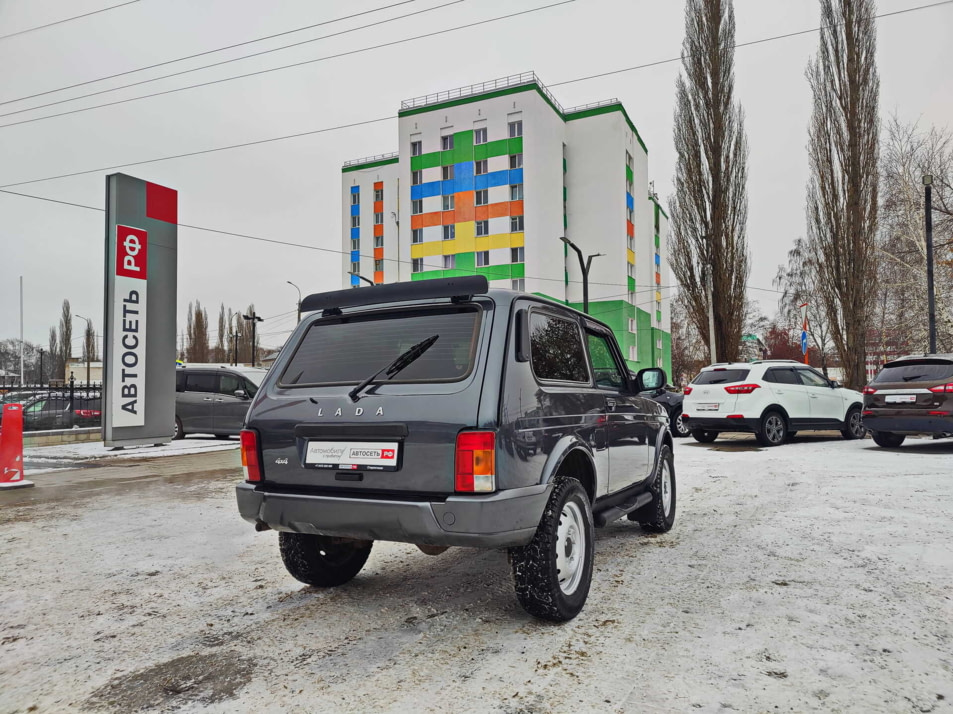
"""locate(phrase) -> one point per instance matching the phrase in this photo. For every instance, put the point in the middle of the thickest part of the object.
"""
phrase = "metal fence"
(58, 404)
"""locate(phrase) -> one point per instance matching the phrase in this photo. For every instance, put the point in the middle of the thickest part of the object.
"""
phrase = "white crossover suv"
(772, 399)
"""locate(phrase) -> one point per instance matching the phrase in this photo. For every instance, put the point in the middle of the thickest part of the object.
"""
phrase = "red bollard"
(11, 448)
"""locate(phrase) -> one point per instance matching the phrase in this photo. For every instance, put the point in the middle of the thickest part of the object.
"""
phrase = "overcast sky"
(290, 190)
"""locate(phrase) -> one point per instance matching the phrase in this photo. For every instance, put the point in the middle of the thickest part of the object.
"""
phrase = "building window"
(482, 258)
(479, 136)
(516, 161)
(632, 325)
(480, 167)
(633, 353)
(417, 235)
(516, 192)
(417, 206)
(630, 214)
(628, 159)
(446, 142)
(447, 172)
(378, 219)
(630, 242)
(516, 224)
(482, 197)
(516, 128)
(355, 221)
(630, 269)
(416, 148)
(355, 198)
(355, 243)
(449, 232)
(517, 255)
(378, 194)
(448, 203)
(449, 262)
(379, 265)
(355, 267)
(417, 265)
(632, 297)
(519, 284)
(416, 177)
(483, 228)
(378, 241)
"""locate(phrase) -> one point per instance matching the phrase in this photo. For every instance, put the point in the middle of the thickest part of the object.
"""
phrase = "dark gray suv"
(441, 413)
(213, 399)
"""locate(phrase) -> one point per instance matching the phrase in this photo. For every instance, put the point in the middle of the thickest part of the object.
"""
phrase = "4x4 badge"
(358, 411)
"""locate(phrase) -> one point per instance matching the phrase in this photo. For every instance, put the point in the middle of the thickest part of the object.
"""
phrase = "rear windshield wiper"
(399, 364)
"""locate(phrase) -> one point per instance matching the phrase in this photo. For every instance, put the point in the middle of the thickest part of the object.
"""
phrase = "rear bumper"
(503, 519)
(910, 424)
(718, 424)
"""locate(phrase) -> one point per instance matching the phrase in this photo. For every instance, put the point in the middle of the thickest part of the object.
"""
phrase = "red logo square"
(132, 247)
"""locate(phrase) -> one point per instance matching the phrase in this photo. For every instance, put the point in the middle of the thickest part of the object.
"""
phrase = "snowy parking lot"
(817, 576)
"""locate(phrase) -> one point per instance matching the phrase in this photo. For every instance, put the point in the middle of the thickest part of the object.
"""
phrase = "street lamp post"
(89, 326)
(299, 297)
(931, 300)
(584, 265)
(366, 280)
(254, 320)
(41, 366)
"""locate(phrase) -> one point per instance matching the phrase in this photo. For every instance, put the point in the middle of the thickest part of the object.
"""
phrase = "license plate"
(353, 455)
(901, 399)
(706, 407)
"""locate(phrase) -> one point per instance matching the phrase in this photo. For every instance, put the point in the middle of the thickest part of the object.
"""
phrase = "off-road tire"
(319, 560)
(704, 437)
(179, 432)
(887, 439)
(677, 426)
(773, 429)
(653, 516)
(853, 425)
(535, 572)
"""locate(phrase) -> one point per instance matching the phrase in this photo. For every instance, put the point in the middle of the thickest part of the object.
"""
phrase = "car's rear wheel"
(853, 425)
(677, 424)
(322, 561)
(658, 516)
(887, 439)
(177, 432)
(553, 573)
(704, 437)
(773, 430)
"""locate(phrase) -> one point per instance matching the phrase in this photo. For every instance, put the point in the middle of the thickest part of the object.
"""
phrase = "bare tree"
(90, 348)
(196, 334)
(710, 206)
(688, 349)
(55, 368)
(220, 352)
(842, 192)
(66, 336)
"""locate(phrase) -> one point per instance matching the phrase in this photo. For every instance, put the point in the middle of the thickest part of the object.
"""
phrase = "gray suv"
(211, 399)
(442, 413)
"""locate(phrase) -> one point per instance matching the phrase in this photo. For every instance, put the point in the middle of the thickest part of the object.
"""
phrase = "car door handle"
(219, 400)
(206, 399)
(813, 396)
(610, 403)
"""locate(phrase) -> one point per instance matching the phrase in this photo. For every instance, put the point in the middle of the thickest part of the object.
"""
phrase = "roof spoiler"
(462, 288)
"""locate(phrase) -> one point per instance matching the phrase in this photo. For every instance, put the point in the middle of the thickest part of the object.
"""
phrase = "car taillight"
(742, 388)
(867, 412)
(869, 390)
(251, 464)
(943, 389)
(88, 412)
(475, 462)
(688, 390)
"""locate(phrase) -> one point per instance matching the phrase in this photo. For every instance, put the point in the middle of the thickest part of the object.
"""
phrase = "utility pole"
(299, 297)
(86, 349)
(584, 265)
(931, 299)
(21, 330)
(254, 319)
(41, 366)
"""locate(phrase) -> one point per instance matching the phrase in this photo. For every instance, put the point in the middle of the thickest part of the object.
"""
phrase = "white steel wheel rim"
(774, 428)
(666, 489)
(175, 428)
(570, 548)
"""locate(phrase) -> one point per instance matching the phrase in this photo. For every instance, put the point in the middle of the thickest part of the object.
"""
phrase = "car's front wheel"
(853, 425)
(704, 437)
(553, 573)
(677, 424)
(658, 515)
(773, 430)
(322, 561)
(177, 432)
(887, 439)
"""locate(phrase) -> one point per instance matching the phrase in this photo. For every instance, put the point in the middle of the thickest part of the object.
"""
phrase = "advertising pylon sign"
(11, 448)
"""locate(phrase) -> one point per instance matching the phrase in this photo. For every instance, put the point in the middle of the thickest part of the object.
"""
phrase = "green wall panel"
(515, 145)
(631, 283)
(466, 261)
(425, 161)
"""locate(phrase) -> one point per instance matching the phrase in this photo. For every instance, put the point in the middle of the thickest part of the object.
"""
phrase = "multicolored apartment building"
(487, 180)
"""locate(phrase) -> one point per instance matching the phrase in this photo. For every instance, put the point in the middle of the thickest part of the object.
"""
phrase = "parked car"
(772, 399)
(443, 413)
(57, 410)
(911, 395)
(672, 401)
(213, 399)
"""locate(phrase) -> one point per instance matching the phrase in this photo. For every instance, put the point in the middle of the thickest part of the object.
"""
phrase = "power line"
(387, 118)
(68, 19)
(289, 66)
(207, 52)
(207, 66)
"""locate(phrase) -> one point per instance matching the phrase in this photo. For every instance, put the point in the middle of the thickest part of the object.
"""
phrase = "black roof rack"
(462, 288)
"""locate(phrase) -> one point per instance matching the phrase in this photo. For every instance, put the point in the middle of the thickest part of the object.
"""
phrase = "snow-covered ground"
(817, 576)
(44, 459)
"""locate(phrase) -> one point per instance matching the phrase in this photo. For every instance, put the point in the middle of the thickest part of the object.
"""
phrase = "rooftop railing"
(371, 159)
(592, 105)
(514, 80)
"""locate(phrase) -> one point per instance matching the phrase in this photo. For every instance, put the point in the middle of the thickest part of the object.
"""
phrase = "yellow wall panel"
(425, 250)
(630, 256)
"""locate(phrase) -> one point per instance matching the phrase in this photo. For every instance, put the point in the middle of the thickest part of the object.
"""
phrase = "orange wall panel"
(378, 276)
(516, 208)
(378, 185)
(378, 254)
(424, 220)
(449, 218)
(499, 210)
(378, 229)
(481, 213)
(463, 205)
(629, 229)
(378, 206)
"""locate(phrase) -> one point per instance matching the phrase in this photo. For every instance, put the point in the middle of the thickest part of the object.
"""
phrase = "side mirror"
(835, 384)
(650, 379)
(241, 394)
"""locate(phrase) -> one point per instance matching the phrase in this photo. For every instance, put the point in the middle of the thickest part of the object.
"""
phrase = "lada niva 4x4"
(442, 413)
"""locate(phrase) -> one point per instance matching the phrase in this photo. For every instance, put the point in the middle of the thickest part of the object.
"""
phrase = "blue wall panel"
(356, 210)
(355, 280)
(355, 189)
(629, 202)
(355, 233)
(516, 176)
(424, 190)
(355, 256)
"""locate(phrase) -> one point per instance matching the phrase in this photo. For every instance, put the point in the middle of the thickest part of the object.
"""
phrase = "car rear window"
(348, 350)
(722, 376)
(919, 371)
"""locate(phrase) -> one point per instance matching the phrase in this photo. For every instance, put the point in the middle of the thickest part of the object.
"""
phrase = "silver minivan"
(211, 399)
